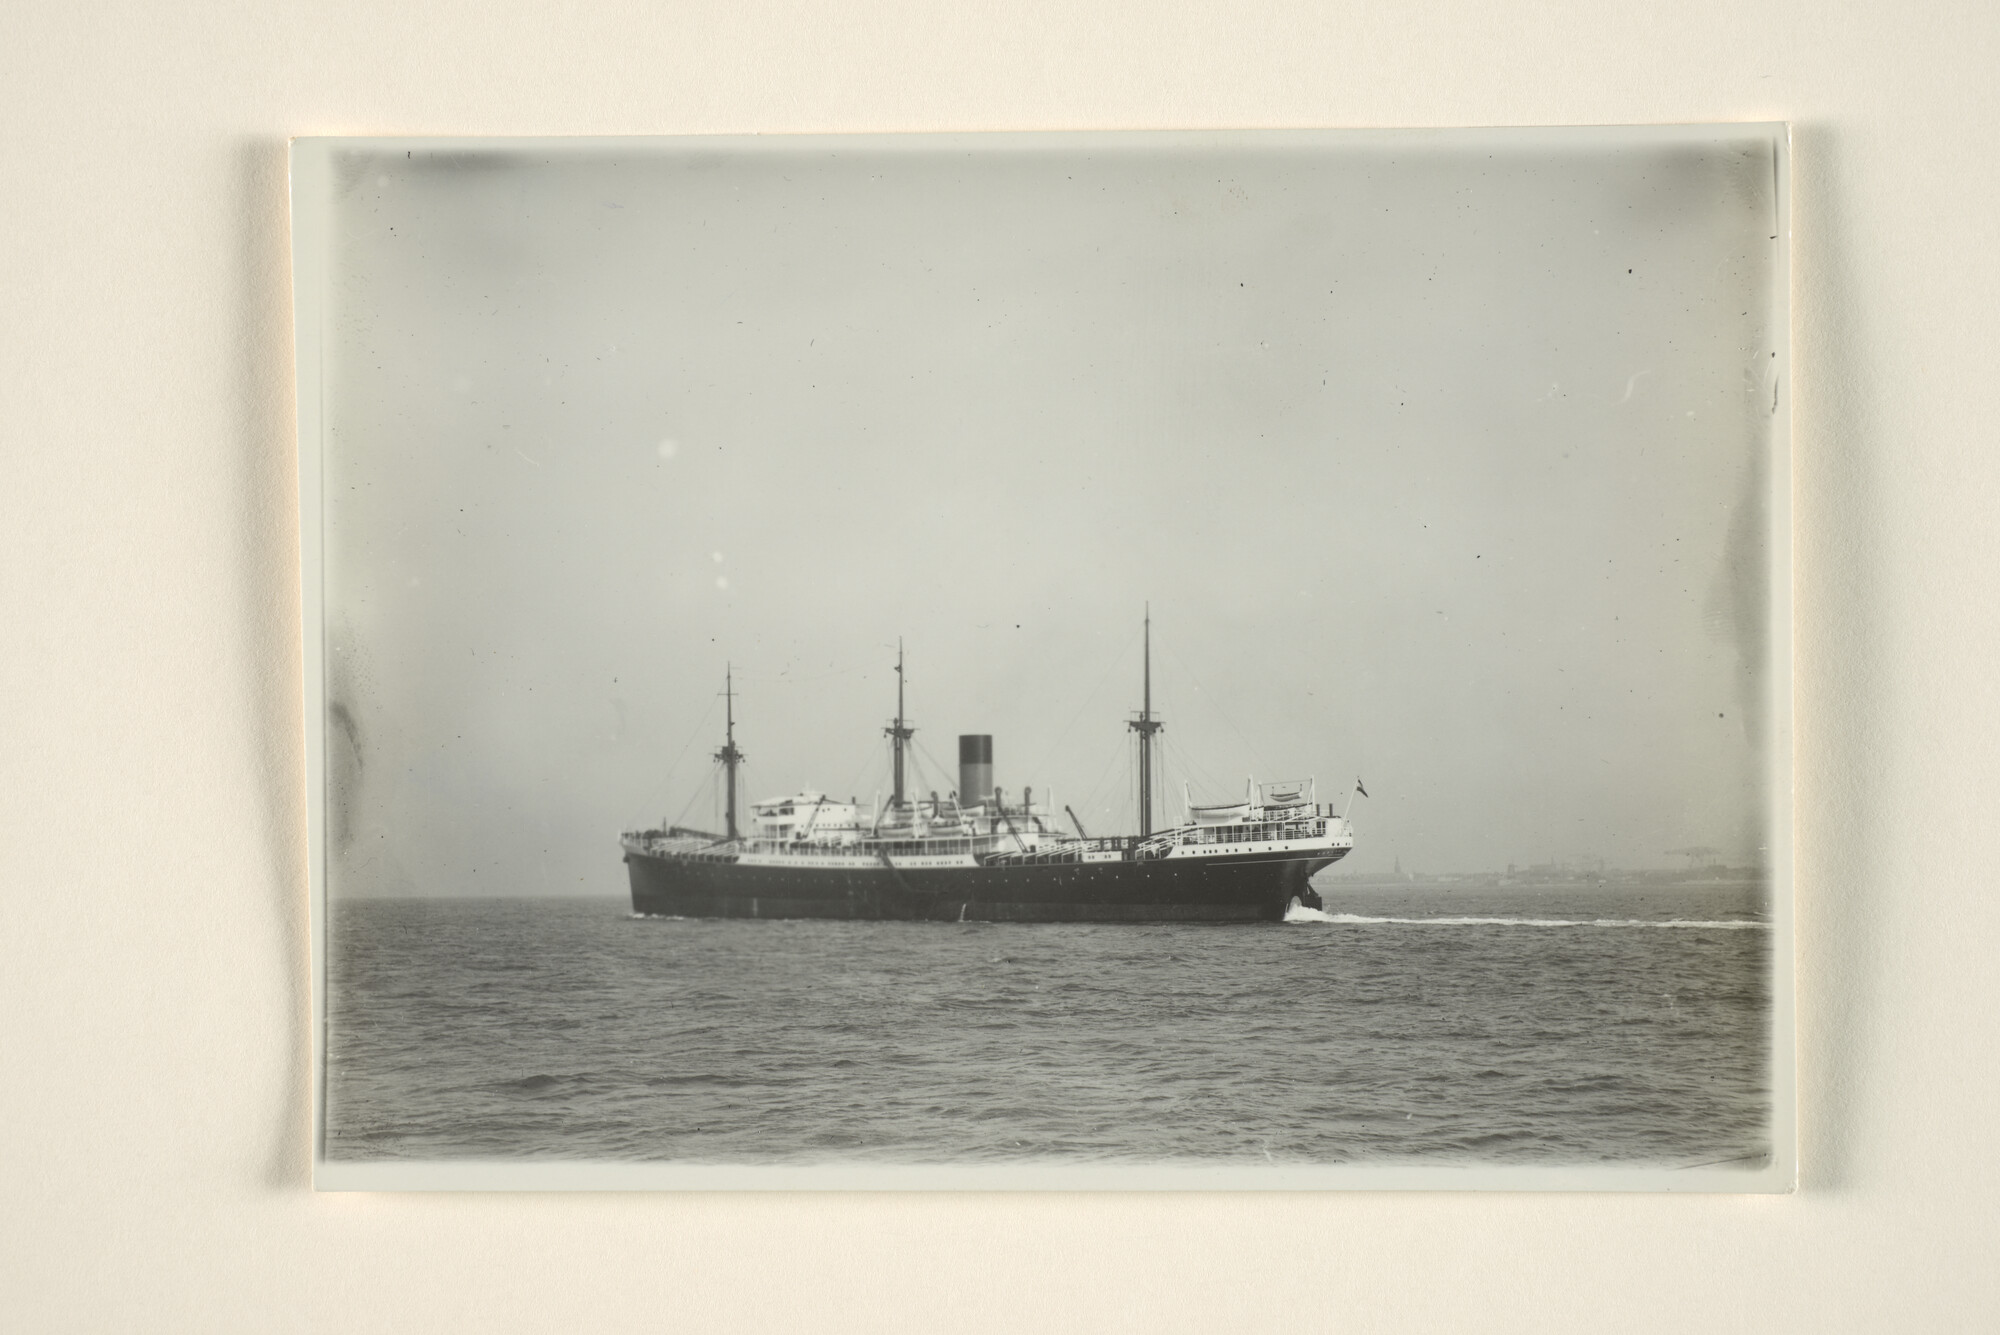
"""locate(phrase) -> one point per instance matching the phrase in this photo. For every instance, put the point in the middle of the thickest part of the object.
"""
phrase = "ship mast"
(898, 732)
(1146, 725)
(729, 755)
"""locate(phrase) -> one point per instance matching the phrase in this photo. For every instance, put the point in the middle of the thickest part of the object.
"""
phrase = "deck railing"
(995, 849)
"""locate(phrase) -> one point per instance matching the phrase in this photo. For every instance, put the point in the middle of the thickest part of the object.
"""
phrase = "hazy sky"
(1441, 461)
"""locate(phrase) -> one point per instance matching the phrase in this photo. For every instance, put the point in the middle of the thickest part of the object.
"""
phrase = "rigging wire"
(940, 781)
(934, 760)
(1157, 800)
(1166, 753)
(876, 769)
(1104, 774)
(1069, 728)
(693, 797)
(1209, 699)
(1194, 771)
(701, 723)
(1132, 778)
(706, 790)
(743, 773)
(1166, 767)
(925, 779)
(784, 677)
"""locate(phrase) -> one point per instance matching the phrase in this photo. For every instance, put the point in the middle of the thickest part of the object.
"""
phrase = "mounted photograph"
(1238, 660)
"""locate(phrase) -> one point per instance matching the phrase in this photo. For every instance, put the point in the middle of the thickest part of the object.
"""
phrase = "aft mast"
(1146, 725)
(729, 755)
(898, 732)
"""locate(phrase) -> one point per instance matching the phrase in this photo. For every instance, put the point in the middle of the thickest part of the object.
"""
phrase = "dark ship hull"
(975, 857)
(1253, 888)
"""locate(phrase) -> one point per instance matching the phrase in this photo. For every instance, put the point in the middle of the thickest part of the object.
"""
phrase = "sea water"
(1610, 1025)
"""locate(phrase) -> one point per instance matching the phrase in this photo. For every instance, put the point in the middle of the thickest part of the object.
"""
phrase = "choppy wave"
(1299, 913)
(1439, 1029)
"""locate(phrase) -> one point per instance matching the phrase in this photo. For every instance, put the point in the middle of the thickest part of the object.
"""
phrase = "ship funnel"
(975, 769)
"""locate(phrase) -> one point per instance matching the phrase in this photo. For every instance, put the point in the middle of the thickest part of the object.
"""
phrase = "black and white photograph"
(1157, 660)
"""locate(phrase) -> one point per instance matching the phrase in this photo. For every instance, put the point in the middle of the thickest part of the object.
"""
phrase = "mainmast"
(899, 732)
(1146, 725)
(729, 755)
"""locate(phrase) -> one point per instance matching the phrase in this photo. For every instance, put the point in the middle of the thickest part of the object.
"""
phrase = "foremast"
(729, 755)
(899, 732)
(1146, 725)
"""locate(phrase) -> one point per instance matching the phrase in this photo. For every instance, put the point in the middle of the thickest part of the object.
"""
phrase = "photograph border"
(311, 201)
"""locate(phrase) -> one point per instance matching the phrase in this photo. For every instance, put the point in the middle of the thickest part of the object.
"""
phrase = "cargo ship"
(974, 855)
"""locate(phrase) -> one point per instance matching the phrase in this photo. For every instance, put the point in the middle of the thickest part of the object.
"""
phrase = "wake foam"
(1300, 914)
